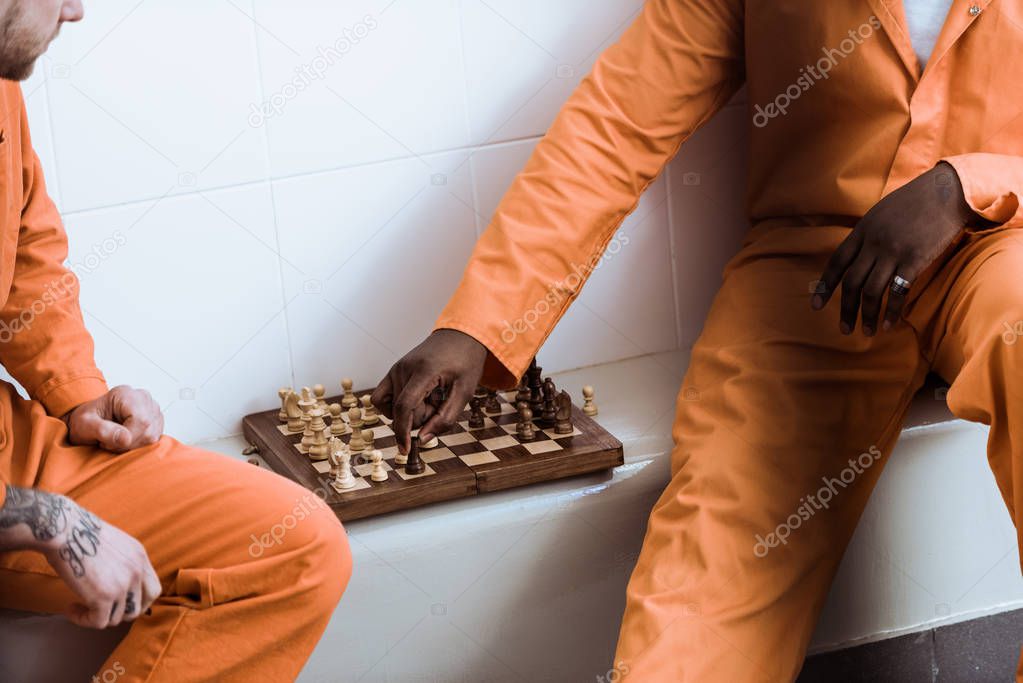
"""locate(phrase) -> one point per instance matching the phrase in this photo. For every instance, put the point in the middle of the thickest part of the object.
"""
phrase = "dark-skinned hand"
(120, 420)
(430, 385)
(901, 235)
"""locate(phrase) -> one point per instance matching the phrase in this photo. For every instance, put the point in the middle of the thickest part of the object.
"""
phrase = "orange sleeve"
(43, 340)
(678, 63)
(992, 184)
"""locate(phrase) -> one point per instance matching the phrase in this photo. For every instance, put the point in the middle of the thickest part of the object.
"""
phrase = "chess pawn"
(400, 458)
(379, 473)
(356, 443)
(535, 387)
(348, 400)
(317, 447)
(320, 393)
(337, 423)
(415, 464)
(589, 407)
(550, 411)
(476, 413)
(432, 443)
(367, 439)
(523, 394)
(295, 422)
(563, 416)
(354, 417)
(492, 405)
(524, 428)
(369, 413)
(283, 392)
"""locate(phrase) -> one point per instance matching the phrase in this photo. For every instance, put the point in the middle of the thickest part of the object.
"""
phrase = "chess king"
(886, 243)
(217, 563)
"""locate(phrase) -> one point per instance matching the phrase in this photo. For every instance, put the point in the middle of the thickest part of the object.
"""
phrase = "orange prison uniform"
(252, 566)
(776, 400)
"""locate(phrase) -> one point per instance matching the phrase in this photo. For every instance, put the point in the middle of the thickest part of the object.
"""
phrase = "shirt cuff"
(983, 193)
(60, 396)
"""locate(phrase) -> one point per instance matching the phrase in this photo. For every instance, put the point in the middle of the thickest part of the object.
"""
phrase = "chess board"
(466, 462)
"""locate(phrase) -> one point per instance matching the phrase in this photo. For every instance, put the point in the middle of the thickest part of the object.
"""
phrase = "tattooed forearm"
(45, 514)
(48, 522)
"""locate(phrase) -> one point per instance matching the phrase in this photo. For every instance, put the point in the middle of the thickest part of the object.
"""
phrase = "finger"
(836, 267)
(852, 289)
(449, 412)
(90, 616)
(411, 397)
(151, 589)
(91, 428)
(117, 610)
(873, 294)
(897, 302)
(131, 602)
(383, 395)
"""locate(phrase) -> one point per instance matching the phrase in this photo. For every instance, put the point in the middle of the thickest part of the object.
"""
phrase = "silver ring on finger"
(901, 286)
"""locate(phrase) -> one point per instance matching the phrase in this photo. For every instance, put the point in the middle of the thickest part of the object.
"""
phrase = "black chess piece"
(524, 429)
(415, 464)
(492, 405)
(535, 373)
(548, 412)
(563, 417)
(476, 412)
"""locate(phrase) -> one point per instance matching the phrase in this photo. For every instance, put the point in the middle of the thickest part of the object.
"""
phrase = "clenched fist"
(121, 420)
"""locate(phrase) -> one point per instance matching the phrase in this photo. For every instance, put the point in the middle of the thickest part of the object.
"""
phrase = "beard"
(19, 50)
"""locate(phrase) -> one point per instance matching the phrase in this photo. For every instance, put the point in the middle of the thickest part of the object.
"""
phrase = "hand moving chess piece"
(369, 413)
(563, 416)
(378, 473)
(589, 407)
(348, 400)
(283, 393)
(525, 429)
(337, 423)
(476, 413)
(295, 422)
(432, 443)
(415, 464)
(492, 405)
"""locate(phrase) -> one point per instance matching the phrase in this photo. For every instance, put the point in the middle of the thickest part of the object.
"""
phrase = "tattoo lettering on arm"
(82, 542)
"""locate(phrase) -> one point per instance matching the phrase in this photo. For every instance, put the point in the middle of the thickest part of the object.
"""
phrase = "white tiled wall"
(257, 248)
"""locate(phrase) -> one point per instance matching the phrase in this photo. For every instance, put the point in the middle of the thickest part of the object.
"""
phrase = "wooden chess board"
(465, 463)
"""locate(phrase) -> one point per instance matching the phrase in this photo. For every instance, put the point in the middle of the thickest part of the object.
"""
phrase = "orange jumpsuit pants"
(252, 565)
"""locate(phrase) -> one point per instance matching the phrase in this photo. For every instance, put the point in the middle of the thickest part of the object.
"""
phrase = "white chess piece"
(432, 443)
(589, 407)
(369, 412)
(379, 473)
(344, 478)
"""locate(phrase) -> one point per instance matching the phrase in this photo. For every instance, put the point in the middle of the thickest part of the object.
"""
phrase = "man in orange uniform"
(229, 573)
(895, 185)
